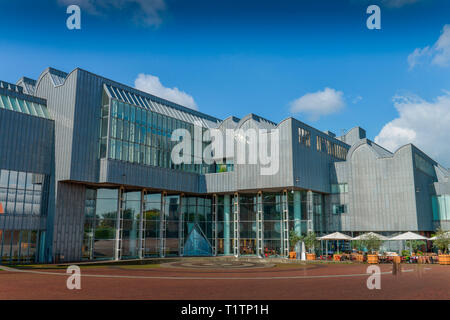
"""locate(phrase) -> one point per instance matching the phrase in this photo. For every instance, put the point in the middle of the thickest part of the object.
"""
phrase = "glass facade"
(273, 215)
(178, 225)
(138, 135)
(23, 195)
(152, 224)
(247, 224)
(101, 224)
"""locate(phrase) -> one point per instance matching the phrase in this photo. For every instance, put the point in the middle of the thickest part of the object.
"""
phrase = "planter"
(337, 257)
(444, 259)
(372, 258)
(310, 256)
(292, 255)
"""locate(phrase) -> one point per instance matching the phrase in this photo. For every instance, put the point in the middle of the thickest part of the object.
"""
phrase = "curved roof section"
(377, 150)
(260, 122)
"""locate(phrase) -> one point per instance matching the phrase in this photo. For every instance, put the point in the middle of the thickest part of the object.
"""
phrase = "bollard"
(395, 268)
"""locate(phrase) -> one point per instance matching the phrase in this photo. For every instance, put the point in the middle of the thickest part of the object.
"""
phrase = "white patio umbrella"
(408, 236)
(368, 234)
(334, 236)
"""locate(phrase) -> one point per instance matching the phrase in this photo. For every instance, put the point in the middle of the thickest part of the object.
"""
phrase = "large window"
(339, 188)
(441, 207)
(304, 137)
(101, 209)
(333, 149)
(339, 208)
(152, 214)
(18, 246)
(141, 136)
(23, 106)
(23, 193)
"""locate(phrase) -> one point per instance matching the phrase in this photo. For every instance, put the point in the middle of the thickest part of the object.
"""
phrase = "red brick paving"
(424, 282)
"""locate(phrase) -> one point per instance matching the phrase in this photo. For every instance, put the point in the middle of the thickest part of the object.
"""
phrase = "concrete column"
(226, 224)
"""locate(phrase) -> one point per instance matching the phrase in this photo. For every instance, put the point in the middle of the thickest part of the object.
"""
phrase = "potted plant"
(310, 241)
(442, 242)
(294, 238)
(358, 245)
(406, 255)
(337, 256)
(373, 244)
(415, 245)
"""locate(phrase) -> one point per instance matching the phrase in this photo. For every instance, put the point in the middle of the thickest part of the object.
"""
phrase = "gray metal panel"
(311, 168)
(130, 174)
(218, 182)
(26, 142)
(381, 191)
(68, 224)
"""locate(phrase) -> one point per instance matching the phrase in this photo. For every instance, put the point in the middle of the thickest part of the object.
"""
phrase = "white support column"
(214, 224)
(310, 210)
(181, 227)
(260, 225)
(119, 226)
(162, 227)
(285, 225)
(142, 227)
(236, 225)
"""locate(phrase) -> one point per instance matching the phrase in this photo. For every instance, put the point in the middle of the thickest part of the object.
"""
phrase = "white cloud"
(147, 12)
(398, 3)
(425, 124)
(356, 99)
(319, 103)
(438, 54)
(151, 84)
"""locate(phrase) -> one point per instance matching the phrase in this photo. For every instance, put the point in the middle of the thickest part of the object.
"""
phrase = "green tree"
(442, 241)
(358, 244)
(294, 238)
(416, 244)
(310, 241)
(372, 243)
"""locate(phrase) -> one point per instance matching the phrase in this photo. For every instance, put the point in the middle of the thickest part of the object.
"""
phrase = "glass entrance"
(197, 232)
(196, 243)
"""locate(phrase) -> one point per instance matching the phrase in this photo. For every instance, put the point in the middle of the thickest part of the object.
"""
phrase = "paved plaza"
(215, 279)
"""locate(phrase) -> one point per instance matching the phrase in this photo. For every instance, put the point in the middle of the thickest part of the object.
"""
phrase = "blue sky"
(236, 57)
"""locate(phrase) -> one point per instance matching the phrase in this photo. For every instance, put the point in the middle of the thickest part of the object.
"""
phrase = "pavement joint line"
(197, 278)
